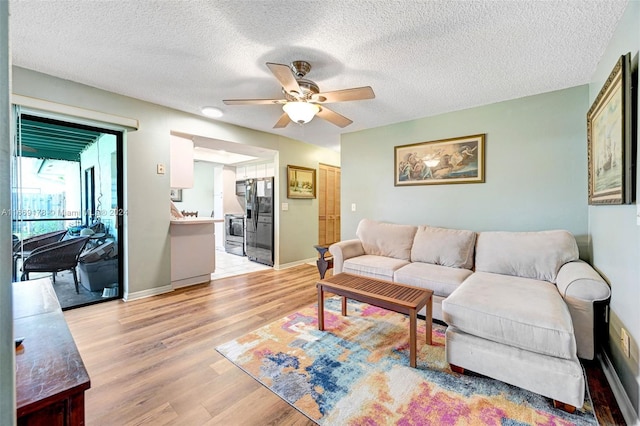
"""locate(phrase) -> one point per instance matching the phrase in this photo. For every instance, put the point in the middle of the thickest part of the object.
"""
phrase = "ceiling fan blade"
(253, 101)
(286, 78)
(333, 117)
(355, 94)
(283, 121)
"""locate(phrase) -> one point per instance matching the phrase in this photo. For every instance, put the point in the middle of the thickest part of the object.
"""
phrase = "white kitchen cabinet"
(181, 168)
(270, 169)
(252, 171)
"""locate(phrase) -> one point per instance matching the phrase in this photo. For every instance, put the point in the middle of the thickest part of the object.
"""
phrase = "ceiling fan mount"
(302, 97)
(300, 68)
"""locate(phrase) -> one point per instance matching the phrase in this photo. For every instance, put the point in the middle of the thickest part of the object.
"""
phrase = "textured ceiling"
(421, 57)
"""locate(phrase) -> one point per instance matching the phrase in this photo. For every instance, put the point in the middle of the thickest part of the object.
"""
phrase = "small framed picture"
(301, 182)
(176, 195)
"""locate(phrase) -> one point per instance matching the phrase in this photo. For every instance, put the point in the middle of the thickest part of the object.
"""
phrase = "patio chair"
(22, 248)
(55, 257)
(36, 241)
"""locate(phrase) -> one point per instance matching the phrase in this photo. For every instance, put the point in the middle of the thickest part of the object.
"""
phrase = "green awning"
(52, 141)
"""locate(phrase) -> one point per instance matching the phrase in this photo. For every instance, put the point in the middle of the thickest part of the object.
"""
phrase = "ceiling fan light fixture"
(301, 112)
(301, 97)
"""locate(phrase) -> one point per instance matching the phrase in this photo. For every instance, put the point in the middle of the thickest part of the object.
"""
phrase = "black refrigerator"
(259, 225)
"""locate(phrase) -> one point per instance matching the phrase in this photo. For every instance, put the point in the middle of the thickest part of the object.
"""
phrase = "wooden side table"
(50, 376)
(322, 262)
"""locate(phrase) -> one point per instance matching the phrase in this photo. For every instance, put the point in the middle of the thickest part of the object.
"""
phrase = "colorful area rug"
(357, 372)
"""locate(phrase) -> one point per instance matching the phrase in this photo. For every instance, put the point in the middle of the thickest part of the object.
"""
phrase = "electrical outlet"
(624, 340)
(160, 168)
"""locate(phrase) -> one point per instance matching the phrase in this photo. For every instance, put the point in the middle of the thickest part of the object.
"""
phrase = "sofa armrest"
(344, 250)
(579, 280)
(581, 287)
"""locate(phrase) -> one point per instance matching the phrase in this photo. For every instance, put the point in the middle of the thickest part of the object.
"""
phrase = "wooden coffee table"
(384, 294)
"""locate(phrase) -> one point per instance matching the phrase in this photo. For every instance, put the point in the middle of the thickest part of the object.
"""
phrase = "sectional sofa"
(520, 306)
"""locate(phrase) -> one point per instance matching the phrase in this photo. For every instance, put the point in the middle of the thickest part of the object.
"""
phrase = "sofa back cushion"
(386, 239)
(537, 255)
(446, 247)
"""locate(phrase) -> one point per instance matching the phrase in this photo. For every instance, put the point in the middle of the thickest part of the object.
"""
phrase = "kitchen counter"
(193, 250)
(195, 221)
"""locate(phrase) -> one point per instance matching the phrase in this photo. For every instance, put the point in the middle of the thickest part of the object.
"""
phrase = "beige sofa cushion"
(536, 255)
(520, 312)
(386, 239)
(442, 246)
(441, 279)
(373, 266)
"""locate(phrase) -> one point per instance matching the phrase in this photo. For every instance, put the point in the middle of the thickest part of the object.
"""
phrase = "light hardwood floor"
(153, 361)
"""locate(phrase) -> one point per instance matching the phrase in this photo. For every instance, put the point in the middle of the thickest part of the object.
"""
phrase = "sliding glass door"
(66, 206)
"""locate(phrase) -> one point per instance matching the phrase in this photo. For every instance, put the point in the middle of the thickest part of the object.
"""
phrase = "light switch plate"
(285, 207)
(160, 169)
(353, 207)
(624, 337)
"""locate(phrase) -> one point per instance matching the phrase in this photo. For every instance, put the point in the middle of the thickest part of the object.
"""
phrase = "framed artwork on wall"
(301, 182)
(176, 195)
(609, 134)
(456, 160)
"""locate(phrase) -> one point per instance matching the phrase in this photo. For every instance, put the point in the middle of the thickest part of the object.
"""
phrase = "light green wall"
(536, 169)
(7, 349)
(615, 232)
(147, 248)
(299, 225)
(201, 197)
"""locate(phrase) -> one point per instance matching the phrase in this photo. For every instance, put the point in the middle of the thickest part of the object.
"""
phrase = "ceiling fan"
(303, 99)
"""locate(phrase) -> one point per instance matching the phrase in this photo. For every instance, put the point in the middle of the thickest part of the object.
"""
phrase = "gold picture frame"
(455, 160)
(609, 135)
(301, 182)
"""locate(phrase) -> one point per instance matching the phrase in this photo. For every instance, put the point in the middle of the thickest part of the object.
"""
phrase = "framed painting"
(609, 135)
(176, 195)
(456, 160)
(301, 182)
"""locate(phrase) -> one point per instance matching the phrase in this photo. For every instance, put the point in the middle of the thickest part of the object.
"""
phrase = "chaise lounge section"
(509, 320)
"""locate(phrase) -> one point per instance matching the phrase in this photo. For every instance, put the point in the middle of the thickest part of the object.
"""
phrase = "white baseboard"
(200, 279)
(147, 293)
(619, 393)
(296, 263)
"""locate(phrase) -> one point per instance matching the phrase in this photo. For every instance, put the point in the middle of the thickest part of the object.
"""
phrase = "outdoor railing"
(25, 228)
